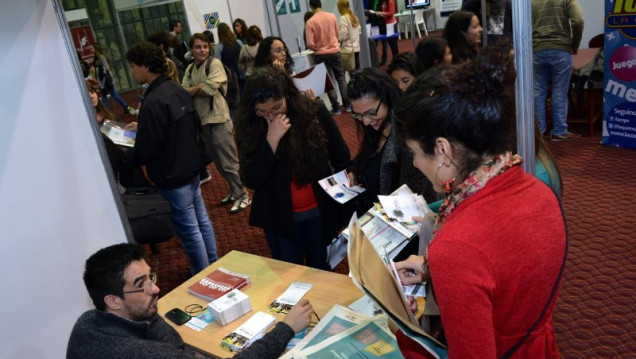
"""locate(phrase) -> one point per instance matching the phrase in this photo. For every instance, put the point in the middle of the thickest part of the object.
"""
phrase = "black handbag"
(148, 213)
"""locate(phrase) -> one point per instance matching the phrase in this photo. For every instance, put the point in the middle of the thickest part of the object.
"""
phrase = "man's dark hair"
(104, 271)
(198, 36)
(315, 4)
(160, 38)
(173, 23)
(148, 54)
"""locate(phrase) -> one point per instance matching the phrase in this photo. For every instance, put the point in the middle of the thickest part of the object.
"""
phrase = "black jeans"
(333, 63)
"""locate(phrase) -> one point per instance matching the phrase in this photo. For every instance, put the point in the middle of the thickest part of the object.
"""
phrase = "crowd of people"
(440, 119)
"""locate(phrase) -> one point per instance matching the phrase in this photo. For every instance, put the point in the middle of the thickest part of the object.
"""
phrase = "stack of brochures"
(289, 298)
(252, 330)
(230, 307)
(343, 333)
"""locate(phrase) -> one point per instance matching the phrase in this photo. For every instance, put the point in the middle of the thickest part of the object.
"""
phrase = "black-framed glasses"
(279, 108)
(369, 115)
(146, 286)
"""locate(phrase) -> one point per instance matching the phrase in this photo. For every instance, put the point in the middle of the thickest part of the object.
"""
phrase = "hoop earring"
(447, 185)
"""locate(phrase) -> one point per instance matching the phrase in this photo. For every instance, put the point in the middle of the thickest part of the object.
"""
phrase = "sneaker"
(227, 200)
(241, 203)
(206, 179)
(336, 111)
(131, 110)
(348, 108)
(565, 137)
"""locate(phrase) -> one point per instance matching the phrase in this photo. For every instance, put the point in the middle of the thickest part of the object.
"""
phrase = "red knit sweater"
(493, 264)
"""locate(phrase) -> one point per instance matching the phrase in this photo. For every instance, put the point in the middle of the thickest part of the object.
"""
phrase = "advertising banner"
(619, 90)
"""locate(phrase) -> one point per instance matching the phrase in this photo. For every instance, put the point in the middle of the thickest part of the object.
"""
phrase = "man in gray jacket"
(557, 28)
(125, 323)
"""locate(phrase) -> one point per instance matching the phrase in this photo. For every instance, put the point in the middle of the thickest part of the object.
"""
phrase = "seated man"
(125, 323)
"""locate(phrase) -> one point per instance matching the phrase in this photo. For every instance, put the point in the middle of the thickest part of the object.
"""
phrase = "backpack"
(232, 94)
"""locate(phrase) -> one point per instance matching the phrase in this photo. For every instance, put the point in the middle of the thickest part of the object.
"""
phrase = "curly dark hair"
(456, 26)
(148, 54)
(305, 144)
(160, 38)
(262, 55)
(472, 105)
(104, 271)
(374, 83)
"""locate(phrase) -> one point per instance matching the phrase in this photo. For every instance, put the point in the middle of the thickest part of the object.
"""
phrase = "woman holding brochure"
(498, 249)
(287, 143)
(381, 165)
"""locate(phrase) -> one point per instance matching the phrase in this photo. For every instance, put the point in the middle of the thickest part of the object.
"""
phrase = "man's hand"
(299, 316)
(410, 270)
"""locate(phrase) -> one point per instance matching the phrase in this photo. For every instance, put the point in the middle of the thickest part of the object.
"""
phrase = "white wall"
(594, 14)
(56, 206)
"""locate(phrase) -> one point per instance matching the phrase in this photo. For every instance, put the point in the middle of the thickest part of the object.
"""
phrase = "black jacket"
(270, 176)
(167, 135)
(98, 335)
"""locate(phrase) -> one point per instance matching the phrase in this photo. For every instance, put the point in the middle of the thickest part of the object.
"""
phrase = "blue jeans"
(192, 224)
(308, 244)
(552, 66)
(113, 93)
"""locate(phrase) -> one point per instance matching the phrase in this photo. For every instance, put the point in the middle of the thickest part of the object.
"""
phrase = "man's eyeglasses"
(369, 115)
(279, 108)
(146, 286)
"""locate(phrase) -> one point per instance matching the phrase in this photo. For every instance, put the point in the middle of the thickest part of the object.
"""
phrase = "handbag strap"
(514, 348)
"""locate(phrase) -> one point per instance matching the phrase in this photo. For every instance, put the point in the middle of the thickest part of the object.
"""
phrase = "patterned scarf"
(475, 181)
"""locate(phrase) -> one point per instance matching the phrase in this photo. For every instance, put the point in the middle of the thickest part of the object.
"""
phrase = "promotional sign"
(619, 90)
(83, 40)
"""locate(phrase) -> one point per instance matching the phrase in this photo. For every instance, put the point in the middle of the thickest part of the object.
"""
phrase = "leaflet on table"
(366, 306)
(115, 132)
(337, 320)
(201, 321)
(248, 332)
(337, 187)
(368, 339)
(290, 297)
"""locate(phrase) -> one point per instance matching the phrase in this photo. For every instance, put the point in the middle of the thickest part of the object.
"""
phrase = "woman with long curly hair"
(287, 142)
(273, 51)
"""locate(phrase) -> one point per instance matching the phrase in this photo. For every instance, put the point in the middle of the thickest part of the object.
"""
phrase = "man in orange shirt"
(321, 33)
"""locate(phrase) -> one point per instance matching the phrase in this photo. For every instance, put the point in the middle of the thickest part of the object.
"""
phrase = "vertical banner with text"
(619, 90)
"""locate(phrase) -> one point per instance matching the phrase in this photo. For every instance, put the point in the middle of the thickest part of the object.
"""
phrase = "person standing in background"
(178, 47)
(463, 34)
(107, 82)
(240, 29)
(557, 28)
(250, 49)
(498, 18)
(349, 34)
(322, 38)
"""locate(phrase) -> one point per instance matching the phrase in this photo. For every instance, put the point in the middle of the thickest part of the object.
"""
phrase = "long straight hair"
(345, 9)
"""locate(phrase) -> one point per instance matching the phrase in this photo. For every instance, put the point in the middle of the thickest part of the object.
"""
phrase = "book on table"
(218, 283)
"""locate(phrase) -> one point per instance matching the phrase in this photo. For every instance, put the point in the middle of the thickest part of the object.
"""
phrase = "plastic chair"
(419, 20)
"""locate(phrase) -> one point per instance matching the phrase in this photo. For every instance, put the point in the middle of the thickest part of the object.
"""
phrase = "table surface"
(269, 278)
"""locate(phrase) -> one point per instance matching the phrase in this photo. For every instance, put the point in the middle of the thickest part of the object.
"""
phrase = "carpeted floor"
(593, 317)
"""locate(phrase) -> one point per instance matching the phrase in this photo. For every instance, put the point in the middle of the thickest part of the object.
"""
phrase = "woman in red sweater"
(499, 245)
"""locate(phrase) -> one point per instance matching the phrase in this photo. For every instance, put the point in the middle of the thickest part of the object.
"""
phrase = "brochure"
(201, 321)
(369, 339)
(371, 273)
(248, 332)
(115, 132)
(289, 298)
(337, 187)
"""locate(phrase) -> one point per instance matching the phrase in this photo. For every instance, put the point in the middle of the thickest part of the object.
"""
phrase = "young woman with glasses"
(381, 165)
(287, 142)
(273, 51)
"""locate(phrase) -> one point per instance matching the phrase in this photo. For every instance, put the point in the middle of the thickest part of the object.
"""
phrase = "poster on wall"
(83, 41)
(211, 20)
(619, 90)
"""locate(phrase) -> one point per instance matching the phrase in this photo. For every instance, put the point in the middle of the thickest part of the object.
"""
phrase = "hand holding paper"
(299, 316)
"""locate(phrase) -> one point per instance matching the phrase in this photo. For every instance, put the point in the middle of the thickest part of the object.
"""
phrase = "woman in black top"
(287, 142)
(381, 165)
